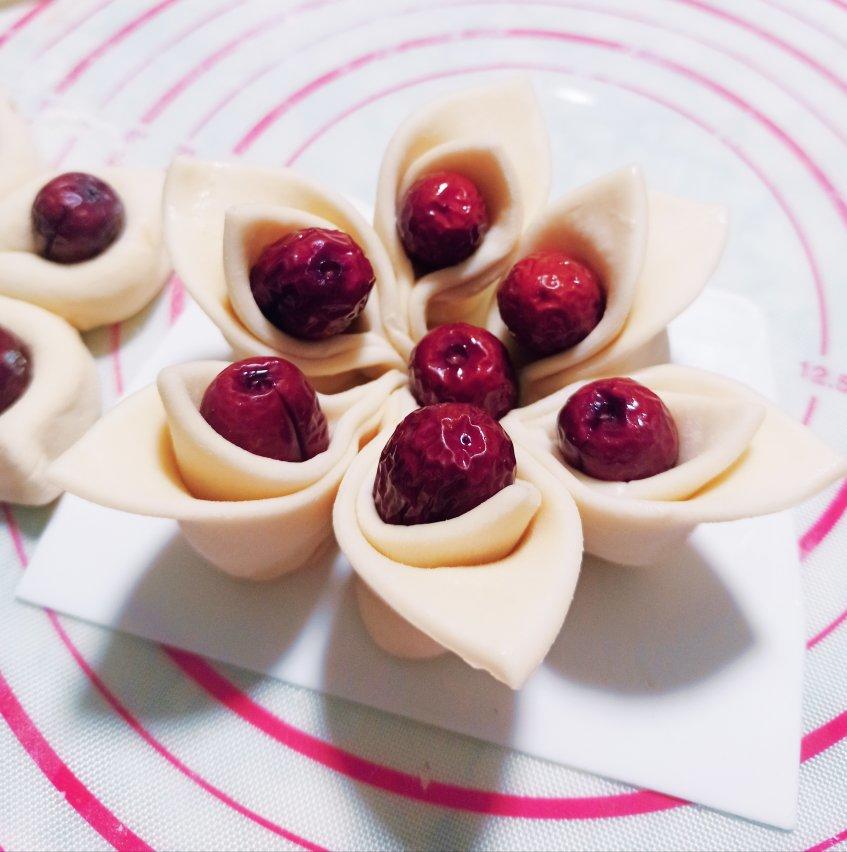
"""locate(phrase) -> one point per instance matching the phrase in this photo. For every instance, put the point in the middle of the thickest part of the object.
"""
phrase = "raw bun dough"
(494, 135)
(713, 434)
(654, 254)
(487, 533)
(60, 403)
(390, 631)
(18, 158)
(399, 404)
(740, 456)
(219, 216)
(109, 288)
(499, 579)
(252, 517)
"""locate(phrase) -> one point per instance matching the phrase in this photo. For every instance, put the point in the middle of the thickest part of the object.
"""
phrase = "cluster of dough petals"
(654, 254)
(252, 517)
(219, 217)
(740, 456)
(494, 135)
(110, 287)
(60, 403)
(492, 586)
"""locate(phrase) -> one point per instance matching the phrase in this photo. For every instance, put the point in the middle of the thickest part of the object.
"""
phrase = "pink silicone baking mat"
(111, 742)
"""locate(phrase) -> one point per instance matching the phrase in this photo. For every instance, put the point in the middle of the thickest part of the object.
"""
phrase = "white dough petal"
(785, 462)
(494, 135)
(60, 403)
(392, 632)
(501, 615)
(109, 288)
(141, 455)
(713, 434)
(216, 469)
(685, 240)
(487, 533)
(217, 214)
(605, 225)
(459, 292)
(741, 457)
(399, 404)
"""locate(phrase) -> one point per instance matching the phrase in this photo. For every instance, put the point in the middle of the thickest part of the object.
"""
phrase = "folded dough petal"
(654, 253)
(500, 613)
(486, 533)
(741, 457)
(217, 216)
(153, 449)
(61, 401)
(214, 468)
(495, 135)
(785, 463)
(18, 158)
(391, 631)
(111, 287)
(713, 434)
(605, 225)
(399, 404)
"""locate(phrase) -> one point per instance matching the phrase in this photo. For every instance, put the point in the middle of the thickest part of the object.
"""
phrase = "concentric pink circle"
(463, 798)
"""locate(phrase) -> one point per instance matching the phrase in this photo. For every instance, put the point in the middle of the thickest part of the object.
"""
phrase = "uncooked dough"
(654, 254)
(109, 288)
(61, 401)
(498, 580)
(740, 457)
(218, 217)
(494, 135)
(252, 517)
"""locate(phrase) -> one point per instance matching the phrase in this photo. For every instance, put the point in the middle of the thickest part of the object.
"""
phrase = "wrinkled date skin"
(312, 284)
(550, 302)
(617, 430)
(15, 369)
(443, 218)
(459, 362)
(267, 407)
(75, 217)
(442, 461)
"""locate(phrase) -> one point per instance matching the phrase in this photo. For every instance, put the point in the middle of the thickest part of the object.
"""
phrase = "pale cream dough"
(494, 135)
(60, 403)
(18, 158)
(391, 631)
(485, 534)
(740, 456)
(252, 517)
(219, 216)
(109, 288)
(654, 254)
(399, 404)
(493, 585)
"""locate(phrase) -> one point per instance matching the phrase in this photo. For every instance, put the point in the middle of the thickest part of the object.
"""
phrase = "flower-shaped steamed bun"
(237, 233)
(49, 396)
(739, 456)
(493, 583)
(252, 516)
(87, 246)
(484, 157)
(652, 254)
